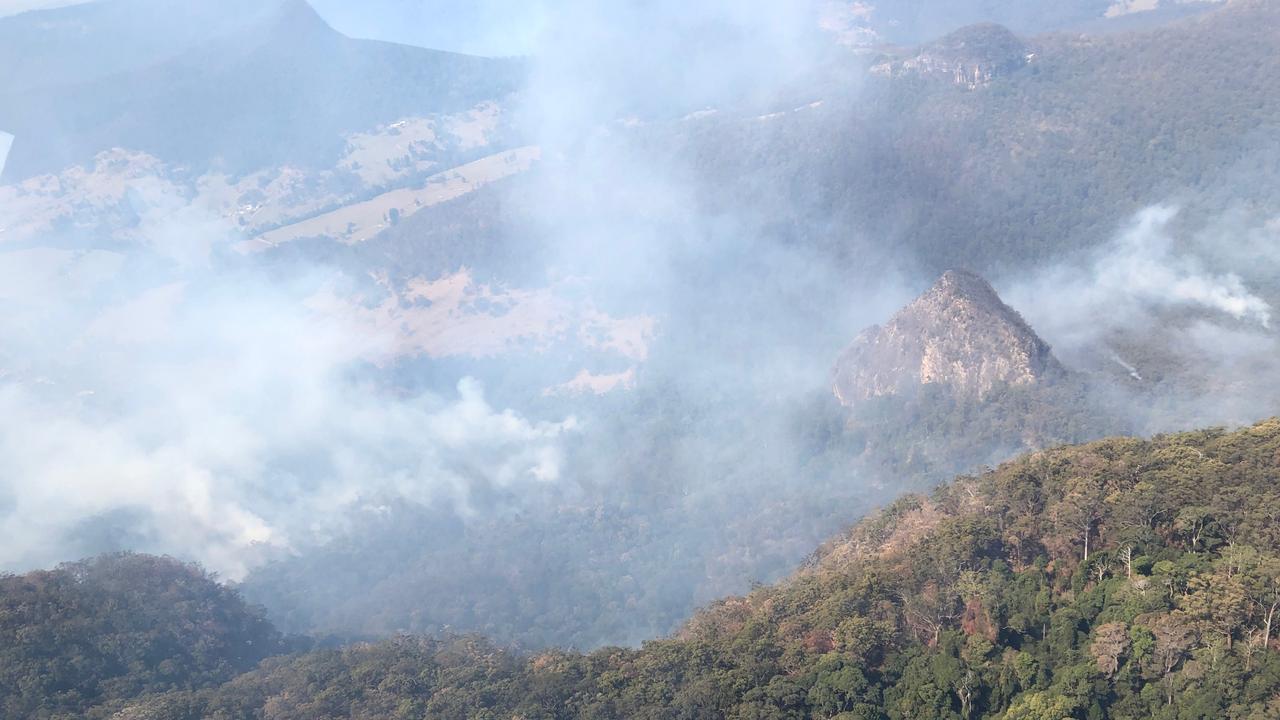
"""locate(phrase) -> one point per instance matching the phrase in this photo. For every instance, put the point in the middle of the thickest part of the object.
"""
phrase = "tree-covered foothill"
(1121, 579)
(81, 639)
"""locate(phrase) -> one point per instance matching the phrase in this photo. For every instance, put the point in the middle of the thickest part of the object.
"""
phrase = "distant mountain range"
(236, 86)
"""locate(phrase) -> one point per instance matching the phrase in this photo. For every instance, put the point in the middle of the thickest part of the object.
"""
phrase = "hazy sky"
(13, 7)
(6, 142)
(480, 27)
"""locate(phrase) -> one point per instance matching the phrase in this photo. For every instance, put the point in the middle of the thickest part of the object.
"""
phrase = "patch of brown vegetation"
(976, 620)
(879, 536)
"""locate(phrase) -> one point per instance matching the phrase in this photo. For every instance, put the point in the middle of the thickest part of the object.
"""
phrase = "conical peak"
(963, 286)
(964, 292)
(963, 282)
(957, 334)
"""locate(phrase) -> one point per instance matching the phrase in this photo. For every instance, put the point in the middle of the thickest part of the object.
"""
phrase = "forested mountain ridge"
(1119, 579)
(1037, 163)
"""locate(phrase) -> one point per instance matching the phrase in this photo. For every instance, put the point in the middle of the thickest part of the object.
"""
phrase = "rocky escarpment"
(971, 57)
(958, 334)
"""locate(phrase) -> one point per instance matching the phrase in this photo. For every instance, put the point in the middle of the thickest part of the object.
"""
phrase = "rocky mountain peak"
(958, 334)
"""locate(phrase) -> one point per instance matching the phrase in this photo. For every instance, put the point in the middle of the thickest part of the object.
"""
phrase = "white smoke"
(216, 409)
(1176, 310)
(1142, 271)
(210, 407)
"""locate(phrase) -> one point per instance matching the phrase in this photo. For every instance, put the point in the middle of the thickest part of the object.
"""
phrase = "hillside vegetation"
(1118, 579)
(1043, 160)
(80, 639)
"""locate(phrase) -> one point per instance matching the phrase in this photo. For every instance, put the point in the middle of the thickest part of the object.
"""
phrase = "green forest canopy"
(1118, 579)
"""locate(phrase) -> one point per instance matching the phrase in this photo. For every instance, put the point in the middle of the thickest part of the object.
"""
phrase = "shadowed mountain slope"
(264, 84)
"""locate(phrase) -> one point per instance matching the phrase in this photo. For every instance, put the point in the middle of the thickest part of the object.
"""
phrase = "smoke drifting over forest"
(1192, 289)
(203, 410)
(703, 169)
(168, 395)
(1141, 271)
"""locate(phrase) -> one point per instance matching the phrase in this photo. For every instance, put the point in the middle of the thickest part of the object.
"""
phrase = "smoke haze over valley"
(557, 321)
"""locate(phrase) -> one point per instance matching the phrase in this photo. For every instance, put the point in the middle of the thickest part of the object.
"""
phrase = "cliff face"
(971, 57)
(958, 334)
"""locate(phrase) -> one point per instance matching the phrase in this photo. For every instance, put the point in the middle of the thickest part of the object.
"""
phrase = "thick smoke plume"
(163, 393)
(181, 401)
(1177, 307)
(1140, 272)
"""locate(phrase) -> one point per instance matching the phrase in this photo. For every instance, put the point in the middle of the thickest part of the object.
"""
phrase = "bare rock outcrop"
(971, 57)
(958, 334)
